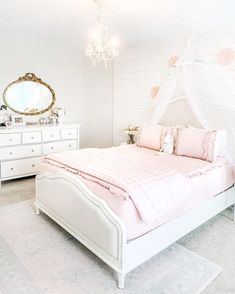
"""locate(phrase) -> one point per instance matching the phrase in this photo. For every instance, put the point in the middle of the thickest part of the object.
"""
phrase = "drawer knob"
(70, 145)
(32, 150)
(32, 138)
(11, 153)
(52, 148)
(52, 136)
(12, 168)
(70, 134)
(10, 139)
(33, 165)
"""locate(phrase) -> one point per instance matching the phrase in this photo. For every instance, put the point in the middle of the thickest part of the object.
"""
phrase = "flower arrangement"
(4, 116)
(57, 114)
(131, 131)
(57, 111)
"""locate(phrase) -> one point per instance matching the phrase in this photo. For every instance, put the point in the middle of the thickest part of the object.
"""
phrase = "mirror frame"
(30, 77)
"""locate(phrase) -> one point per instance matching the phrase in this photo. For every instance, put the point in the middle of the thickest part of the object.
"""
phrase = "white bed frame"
(65, 199)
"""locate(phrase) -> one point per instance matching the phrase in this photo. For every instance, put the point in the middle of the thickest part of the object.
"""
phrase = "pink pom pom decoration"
(225, 56)
(172, 61)
(154, 91)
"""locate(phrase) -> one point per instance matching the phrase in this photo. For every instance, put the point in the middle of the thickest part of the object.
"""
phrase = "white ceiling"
(68, 22)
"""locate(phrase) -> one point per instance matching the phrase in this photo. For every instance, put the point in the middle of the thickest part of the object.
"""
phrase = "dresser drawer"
(10, 139)
(8, 153)
(51, 135)
(59, 146)
(68, 134)
(31, 137)
(20, 167)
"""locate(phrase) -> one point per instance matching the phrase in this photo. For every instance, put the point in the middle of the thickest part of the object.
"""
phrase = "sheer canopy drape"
(210, 94)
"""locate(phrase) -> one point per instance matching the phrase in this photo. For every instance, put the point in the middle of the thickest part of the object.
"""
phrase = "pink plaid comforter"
(154, 188)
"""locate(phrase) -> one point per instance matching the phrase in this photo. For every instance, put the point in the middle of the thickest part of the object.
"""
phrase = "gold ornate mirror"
(29, 95)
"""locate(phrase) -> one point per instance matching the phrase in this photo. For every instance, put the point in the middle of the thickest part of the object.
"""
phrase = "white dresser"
(22, 148)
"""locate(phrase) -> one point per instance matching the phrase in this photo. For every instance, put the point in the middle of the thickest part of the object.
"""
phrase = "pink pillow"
(197, 143)
(151, 136)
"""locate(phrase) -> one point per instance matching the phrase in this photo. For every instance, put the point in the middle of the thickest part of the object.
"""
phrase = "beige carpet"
(215, 240)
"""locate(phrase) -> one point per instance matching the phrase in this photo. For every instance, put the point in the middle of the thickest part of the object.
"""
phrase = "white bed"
(68, 201)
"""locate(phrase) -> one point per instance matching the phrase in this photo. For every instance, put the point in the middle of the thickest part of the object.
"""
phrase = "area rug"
(37, 256)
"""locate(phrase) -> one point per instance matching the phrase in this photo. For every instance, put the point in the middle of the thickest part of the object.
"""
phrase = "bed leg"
(121, 280)
(234, 212)
(37, 210)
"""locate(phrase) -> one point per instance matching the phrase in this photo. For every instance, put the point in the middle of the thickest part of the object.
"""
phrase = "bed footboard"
(87, 217)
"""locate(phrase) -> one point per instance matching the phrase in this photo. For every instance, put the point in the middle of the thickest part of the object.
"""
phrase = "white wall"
(98, 105)
(137, 70)
(59, 67)
(85, 92)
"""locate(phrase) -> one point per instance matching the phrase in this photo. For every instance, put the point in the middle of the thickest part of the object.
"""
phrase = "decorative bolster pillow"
(151, 136)
(197, 143)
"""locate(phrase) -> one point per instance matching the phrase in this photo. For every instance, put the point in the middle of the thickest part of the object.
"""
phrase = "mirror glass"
(29, 95)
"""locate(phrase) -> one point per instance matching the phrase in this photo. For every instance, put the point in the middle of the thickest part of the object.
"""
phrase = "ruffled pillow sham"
(197, 143)
(151, 136)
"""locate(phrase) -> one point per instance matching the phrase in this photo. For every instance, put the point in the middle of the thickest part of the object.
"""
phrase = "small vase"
(131, 139)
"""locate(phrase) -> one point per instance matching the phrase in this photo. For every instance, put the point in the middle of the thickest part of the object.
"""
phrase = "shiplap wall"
(137, 70)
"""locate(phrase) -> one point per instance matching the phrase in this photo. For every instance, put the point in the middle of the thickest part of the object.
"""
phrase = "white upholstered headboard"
(179, 112)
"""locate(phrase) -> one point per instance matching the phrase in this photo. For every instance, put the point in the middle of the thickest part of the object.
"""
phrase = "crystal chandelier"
(101, 48)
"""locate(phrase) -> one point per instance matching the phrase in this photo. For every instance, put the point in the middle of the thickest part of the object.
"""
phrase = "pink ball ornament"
(225, 56)
(154, 91)
(172, 61)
